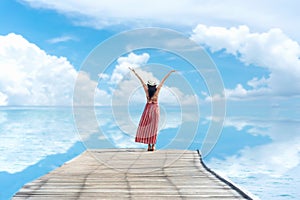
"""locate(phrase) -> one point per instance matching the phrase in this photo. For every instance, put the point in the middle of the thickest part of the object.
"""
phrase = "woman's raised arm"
(141, 80)
(164, 79)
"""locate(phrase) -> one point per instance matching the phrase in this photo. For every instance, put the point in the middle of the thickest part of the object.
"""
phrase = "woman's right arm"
(141, 80)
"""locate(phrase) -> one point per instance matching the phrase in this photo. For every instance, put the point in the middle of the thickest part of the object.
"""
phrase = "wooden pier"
(132, 174)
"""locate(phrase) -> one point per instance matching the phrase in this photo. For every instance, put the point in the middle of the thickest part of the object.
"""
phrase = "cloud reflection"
(265, 163)
(28, 135)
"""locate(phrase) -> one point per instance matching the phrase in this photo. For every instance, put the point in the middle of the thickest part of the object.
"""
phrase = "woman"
(148, 126)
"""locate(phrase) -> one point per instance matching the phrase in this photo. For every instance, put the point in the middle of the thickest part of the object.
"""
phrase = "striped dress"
(148, 126)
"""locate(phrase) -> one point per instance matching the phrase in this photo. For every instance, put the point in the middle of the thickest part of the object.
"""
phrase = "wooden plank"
(132, 174)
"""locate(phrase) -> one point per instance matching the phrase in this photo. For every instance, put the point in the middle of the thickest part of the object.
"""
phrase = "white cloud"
(216, 97)
(272, 50)
(88, 94)
(241, 123)
(176, 96)
(239, 92)
(132, 60)
(61, 39)
(29, 76)
(3, 99)
(257, 83)
(102, 98)
(100, 14)
(103, 76)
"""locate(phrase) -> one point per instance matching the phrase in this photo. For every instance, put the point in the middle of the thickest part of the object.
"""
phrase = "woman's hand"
(131, 69)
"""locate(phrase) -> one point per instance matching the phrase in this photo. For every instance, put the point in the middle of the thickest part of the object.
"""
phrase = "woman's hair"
(151, 90)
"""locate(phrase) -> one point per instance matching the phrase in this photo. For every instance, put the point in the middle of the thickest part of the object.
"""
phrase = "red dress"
(148, 126)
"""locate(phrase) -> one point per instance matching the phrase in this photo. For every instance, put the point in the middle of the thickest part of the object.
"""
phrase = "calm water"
(259, 154)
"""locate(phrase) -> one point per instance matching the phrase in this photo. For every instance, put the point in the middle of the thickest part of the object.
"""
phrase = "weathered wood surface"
(130, 174)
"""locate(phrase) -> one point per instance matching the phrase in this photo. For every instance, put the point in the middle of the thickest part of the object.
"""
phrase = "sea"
(260, 155)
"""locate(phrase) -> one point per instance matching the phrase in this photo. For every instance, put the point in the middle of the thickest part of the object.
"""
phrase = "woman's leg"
(153, 147)
(149, 147)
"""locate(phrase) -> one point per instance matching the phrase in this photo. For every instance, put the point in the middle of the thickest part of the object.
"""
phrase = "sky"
(254, 44)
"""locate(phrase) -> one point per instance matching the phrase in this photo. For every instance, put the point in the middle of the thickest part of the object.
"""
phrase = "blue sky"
(254, 44)
(42, 27)
(255, 48)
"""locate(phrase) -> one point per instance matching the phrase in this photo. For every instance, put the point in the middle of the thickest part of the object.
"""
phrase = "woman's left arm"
(165, 78)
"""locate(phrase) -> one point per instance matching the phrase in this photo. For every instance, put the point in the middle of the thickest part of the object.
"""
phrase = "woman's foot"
(153, 148)
(149, 147)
